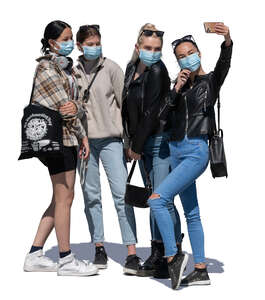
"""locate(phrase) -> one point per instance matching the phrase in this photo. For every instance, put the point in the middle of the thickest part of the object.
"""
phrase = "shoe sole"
(145, 273)
(202, 282)
(161, 276)
(38, 270)
(77, 274)
(129, 271)
(183, 266)
(101, 266)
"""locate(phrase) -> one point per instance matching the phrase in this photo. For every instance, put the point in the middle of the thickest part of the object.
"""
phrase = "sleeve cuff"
(226, 51)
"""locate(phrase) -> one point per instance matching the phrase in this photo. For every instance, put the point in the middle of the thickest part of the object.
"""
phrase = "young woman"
(146, 85)
(194, 96)
(55, 88)
(103, 123)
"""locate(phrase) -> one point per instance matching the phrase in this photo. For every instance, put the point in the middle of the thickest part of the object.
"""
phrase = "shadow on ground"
(118, 253)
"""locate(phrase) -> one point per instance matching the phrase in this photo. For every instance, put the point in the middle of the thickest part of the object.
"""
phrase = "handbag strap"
(148, 181)
(86, 93)
(218, 112)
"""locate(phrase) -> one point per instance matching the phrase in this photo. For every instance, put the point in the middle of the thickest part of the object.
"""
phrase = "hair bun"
(44, 42)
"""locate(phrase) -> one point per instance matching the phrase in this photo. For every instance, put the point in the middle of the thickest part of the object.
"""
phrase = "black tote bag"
(135, 195)
(41, 131)
(217, 152)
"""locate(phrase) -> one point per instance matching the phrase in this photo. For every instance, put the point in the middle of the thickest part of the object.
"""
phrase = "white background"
(232, 209)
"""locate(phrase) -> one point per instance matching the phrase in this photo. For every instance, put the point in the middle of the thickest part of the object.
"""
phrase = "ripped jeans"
(189, 159)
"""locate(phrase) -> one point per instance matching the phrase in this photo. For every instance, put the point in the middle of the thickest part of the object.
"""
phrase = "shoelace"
(78, 262)
(100, 251)
(139, 260)
(45, 258)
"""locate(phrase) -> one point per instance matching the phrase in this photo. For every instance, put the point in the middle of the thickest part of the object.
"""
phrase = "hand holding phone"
(210, 26)
(219, 28)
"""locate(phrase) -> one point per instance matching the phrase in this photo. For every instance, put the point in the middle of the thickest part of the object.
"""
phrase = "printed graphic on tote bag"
(36, 128)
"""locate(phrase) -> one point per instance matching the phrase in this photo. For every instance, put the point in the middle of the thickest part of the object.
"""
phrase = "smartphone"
(209, 26)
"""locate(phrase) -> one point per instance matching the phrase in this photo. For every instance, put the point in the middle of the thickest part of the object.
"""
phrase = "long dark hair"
(52, 31)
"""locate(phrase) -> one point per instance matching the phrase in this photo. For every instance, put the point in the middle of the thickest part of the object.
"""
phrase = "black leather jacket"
(142, 99)
(193, 112)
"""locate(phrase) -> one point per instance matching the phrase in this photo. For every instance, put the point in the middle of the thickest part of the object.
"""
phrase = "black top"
(142, 99)
(193, 112)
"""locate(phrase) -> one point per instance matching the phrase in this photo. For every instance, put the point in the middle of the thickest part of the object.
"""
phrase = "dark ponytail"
(52, 31)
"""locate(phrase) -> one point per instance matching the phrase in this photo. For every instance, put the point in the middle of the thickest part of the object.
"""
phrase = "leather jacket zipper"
(187, 116)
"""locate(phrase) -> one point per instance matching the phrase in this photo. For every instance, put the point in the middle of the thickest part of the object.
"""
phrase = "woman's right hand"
(182, 78)
(134, 155)
(84, 148)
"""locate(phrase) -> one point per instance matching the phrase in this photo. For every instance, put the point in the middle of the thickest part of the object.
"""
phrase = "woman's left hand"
(69, 108)
(222, 29)
(84, 148)
(134, 155)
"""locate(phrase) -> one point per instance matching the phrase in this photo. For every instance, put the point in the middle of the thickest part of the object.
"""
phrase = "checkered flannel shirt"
(52, 89)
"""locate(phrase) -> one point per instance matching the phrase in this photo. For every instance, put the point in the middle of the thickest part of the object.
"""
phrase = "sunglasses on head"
(148, 32)
(87, 27)
(186, 38)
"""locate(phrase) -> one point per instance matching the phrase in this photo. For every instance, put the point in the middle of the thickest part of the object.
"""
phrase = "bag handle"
(86, 93)
(218, 116)
(33, 86)
(149, 184)
(218, 111)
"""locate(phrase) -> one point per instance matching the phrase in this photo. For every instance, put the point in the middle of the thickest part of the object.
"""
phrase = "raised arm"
(223, 64)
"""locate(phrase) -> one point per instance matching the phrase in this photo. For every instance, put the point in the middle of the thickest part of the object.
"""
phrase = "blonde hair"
(140, 37)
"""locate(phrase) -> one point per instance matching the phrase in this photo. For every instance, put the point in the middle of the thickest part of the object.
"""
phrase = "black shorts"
(65, 162)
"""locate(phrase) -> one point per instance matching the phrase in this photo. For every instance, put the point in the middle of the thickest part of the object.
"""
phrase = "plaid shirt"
(52, 89)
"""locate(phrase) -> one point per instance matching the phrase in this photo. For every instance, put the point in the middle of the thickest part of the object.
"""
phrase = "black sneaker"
(196, 277)
(176, 268)
(101, 258)
(132, 264)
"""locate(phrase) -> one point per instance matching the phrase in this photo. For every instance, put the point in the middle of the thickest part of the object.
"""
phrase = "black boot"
(148, 267)
(161, 267)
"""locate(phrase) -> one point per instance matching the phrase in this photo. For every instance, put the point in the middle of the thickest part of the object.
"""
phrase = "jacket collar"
(81, 61)
(50, 57)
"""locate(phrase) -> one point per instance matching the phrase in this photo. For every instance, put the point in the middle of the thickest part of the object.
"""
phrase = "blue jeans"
(110, 152)
(189, 159)
(157, 163)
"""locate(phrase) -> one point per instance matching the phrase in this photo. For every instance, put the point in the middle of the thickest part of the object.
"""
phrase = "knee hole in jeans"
(154, 196)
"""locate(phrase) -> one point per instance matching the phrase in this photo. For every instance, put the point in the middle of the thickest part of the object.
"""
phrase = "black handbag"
(217, 152)
(41, 131)
(135, 195)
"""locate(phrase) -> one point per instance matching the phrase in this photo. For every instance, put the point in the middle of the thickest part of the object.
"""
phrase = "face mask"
(191, 62)
(149, 57)
(65, 47)
(91, 52)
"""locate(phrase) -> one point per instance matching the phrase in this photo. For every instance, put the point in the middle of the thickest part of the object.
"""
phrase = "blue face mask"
(92, 52)
(149, 57)
(66, 47)
(191, 62)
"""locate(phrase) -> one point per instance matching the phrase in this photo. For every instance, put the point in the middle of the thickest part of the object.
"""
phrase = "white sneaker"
(38, 262)
(71, 266)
